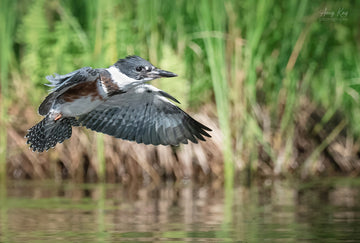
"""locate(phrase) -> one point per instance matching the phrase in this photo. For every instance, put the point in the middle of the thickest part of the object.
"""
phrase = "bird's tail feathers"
(47, 133)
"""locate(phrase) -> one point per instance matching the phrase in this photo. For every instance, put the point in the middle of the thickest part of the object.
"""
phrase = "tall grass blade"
(212, 18)
(7, 29)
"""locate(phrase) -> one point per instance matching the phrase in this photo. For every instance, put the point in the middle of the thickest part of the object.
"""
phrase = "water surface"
(269, 211)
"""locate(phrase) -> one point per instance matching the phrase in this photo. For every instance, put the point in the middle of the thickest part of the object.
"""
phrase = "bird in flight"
(116, 101)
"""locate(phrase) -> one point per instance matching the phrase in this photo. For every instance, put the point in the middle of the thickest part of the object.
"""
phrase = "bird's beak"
(158, 73)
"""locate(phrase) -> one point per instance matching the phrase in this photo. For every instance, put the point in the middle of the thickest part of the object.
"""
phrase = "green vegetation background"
(263, 70)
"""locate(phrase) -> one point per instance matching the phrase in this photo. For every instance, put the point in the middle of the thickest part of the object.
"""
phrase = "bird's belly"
(79, 106)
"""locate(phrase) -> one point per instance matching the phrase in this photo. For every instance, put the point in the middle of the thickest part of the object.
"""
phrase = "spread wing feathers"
(144, 115)
(61, 83)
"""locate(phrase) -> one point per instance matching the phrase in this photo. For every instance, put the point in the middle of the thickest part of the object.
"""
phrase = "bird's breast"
(108, 85)
(87, 89)
(80, 99)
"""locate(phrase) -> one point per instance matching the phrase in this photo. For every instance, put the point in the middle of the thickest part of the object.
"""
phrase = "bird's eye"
(139, 68)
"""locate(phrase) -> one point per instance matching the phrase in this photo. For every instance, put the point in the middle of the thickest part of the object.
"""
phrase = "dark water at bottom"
(270, 211)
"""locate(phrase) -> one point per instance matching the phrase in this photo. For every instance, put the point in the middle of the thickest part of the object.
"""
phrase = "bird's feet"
(58, 117)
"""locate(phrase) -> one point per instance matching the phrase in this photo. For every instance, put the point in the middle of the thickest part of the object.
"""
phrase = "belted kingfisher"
(116, 101)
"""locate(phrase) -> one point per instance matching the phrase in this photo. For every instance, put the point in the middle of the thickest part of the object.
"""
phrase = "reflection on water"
(272, 211)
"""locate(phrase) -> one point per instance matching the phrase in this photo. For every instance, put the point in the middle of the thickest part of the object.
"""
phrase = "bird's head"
(139, 69)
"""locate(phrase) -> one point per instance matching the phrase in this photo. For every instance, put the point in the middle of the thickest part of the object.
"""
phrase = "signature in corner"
(339, 14)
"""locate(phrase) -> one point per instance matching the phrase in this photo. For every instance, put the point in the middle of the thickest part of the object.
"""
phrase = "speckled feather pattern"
(47, 133)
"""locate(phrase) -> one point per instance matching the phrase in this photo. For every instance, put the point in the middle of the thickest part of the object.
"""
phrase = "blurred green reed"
(211, 18)
(258, 61)
(7, 23)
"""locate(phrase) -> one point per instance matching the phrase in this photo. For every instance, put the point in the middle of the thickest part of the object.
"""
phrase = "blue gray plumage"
(116, 101)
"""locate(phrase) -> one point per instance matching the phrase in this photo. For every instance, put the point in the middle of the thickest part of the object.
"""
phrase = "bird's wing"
(145, 115)
(61, 83)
